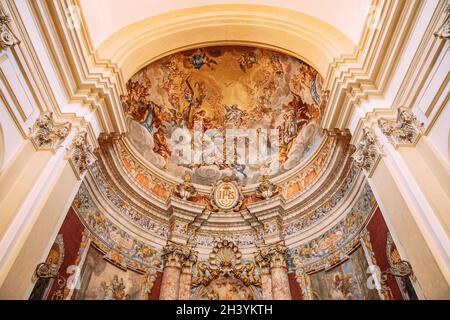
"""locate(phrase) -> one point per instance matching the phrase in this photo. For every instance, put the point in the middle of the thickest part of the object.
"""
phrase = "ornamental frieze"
(125, 208)
(110, 234)
(328, 243)
(326, 208)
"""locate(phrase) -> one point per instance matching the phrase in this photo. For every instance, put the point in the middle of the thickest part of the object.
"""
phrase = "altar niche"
(225, 276)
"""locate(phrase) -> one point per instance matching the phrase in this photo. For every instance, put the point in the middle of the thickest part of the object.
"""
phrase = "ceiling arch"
(349, 19)
(284, 30)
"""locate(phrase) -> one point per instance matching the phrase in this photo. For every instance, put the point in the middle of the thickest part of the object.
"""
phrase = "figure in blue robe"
(147, 123)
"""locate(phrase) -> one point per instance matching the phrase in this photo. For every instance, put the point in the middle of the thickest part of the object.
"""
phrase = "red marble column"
(170, 283)
(280, 283)
(275, 256)
(266, 285)
(175, 284)
(186, 276)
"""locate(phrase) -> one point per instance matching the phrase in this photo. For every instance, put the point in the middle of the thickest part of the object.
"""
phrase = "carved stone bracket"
(186, 189)
(46, 135)
(80, 154)
(266, 189)
(443, 31)
(406, 130)
(368, 151)
(7, 37)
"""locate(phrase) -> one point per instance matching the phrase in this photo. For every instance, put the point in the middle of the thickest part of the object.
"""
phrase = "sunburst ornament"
(226, 195)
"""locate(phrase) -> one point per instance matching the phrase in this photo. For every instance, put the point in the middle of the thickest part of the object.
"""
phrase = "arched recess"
(291, 32)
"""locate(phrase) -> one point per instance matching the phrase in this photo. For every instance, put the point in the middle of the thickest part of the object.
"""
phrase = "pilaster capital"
(368, 151)
(80, 154)
(7, 37)
(46, 134)
(443, 31)
(405, 131)
(273, 256)
(179, 256)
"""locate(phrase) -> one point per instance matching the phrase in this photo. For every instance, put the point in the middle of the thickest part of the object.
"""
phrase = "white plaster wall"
(440, 135)
(11, 138)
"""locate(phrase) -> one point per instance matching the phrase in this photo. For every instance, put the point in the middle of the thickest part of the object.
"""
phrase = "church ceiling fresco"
(210, 91)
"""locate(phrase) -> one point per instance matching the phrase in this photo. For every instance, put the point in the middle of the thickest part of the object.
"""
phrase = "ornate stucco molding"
(176, 255)
(7, 37)
(186, 189)
(266, 189)
(80, 154)
(368, 151)
(274, 256)
(46, 135)
(405, 131)
(225, 260)
(443, 31)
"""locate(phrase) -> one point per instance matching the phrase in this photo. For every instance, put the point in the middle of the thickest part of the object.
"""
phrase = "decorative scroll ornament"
(226, 195)
(186, 189)
(7, 37)
(50, 269)
(266, 189)
(397, 266)
(274, 256)
(80, 154)
(225, 261)
(443, 31)
(46, 135)
(368, 151)
(149, 281)
(405, 131)
(176, 255)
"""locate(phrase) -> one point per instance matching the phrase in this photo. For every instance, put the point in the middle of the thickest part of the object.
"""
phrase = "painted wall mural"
(224, 88)
(101, 280)
(348, 281)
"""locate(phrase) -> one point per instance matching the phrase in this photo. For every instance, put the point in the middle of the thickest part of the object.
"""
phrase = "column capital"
(179, 256)
(368, 151)
(273, 256)
(80, 154)
(7, 37)
(46, 134)
(405, 131)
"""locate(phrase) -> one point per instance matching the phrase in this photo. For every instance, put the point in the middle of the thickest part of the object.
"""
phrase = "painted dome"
(225, 111)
